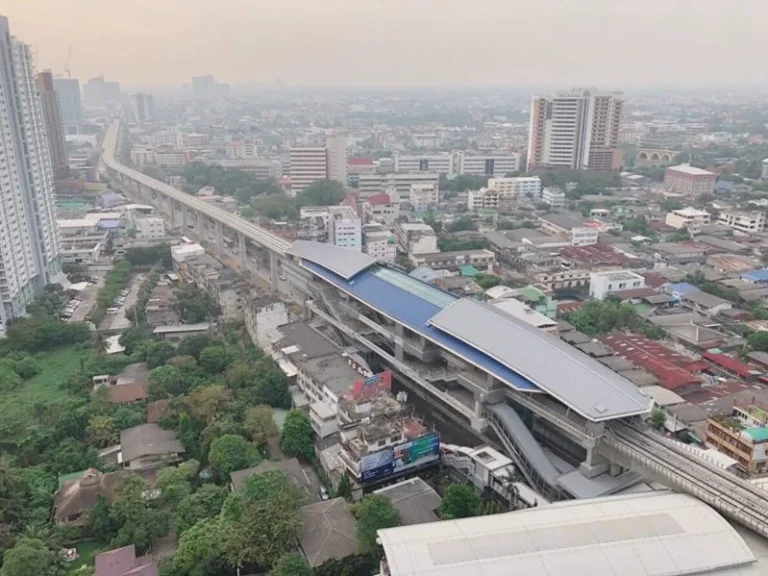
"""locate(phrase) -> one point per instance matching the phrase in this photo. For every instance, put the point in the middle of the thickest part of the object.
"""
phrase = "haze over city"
(383, 288)
(402, 42)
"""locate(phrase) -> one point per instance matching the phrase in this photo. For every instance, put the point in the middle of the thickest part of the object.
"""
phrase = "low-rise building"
(601, 284)
(438, 163)
(741, 433)
(382, 208)
(509, 187)
(452, 261)
(551, 281)
(178, 332)
(345, 233)
(150, 228)
(570, 228)
(492, 165)
(554, 197)
(416, 238)
(148, 447)
(423, 196)
(380, 243)
(328, 532)
(77, 495)
(744, 222)
(483, 199)
(704, 303)
(370, 184)
(689, 180)
(124, 562)
(687, 218)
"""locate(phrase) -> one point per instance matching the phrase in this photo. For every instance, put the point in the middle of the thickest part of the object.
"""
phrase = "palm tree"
(100, 344)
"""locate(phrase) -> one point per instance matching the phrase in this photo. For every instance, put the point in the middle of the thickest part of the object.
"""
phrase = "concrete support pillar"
(273, 273)
(478, 420)
(242, 252)
(184, 222)
(594, 464)
(219, 236)
(399, 334)
(173, 212)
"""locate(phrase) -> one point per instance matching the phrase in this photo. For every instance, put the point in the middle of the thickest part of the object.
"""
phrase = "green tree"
(322, 193)
(292, 564)
(100, 344)
(30, 557)
(460, 501)
(344, 489)
(165, 381)
(206, 402)
(193, 345)
(758, 341)
(272, 388)
(232, 452)
(175, 482)
(461, 224)
(195, 305)
(101, 431)
(202, 548)
(158, 353)
(100, 520)
(248, 212)
(374, 513)
(205, 503)
(296, 438)
(260, 424)
(137, 519)
(658, 418)
(135, 337)
(214, 359)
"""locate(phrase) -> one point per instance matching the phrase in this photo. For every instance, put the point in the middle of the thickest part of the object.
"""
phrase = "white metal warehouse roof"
(588, 387)
(657, 534)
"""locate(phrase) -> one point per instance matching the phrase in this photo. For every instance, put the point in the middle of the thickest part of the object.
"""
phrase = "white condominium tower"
(577, 129)
(336, 156)
(29, 237)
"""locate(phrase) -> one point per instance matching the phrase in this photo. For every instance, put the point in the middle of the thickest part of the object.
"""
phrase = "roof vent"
(600, 408)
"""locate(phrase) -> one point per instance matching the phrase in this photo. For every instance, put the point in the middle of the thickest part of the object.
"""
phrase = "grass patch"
(55, 367)
(87, 552)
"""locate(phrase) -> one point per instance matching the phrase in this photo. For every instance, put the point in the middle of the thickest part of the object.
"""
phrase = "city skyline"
(596, 42)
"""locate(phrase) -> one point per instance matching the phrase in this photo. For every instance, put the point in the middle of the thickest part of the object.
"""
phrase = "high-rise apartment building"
(577, 129)
(29, 238)
(54, 126)
(308, 164)
(336, 156)
(203, 87)
(70, 103)
(143, 110)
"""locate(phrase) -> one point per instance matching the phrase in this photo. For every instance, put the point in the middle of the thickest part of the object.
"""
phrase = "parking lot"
(118, 321)
(88, 300)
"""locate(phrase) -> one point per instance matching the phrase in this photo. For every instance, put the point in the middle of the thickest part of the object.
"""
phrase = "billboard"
(400, 458)
(365, 387)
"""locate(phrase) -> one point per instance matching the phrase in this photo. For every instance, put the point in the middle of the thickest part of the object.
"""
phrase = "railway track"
(722, 490)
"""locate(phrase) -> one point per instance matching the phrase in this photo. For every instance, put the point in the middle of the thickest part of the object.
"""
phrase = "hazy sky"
(401, 42)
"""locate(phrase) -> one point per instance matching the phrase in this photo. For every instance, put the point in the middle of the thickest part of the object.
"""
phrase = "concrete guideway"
(277, 246)
(674, 465)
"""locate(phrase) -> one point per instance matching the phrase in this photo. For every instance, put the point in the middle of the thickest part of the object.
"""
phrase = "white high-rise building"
(494, 165)
(336, 156)
(576, 129)
(308, 164)
(29, 238)
(345, 232)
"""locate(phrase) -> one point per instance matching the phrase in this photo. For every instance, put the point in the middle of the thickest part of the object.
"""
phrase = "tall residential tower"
(54, 125)
(577, 129)
(29, 238)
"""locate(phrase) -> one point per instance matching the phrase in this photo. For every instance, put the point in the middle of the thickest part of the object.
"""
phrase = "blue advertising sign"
(400, 458)
(415, 453)
(376, 465)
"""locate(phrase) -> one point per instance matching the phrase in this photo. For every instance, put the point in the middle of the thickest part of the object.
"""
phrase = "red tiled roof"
(673, 370)
(380, 199)
(653, 280)
(636, 293)
(597, 254)
(730, 363)
(360, 161)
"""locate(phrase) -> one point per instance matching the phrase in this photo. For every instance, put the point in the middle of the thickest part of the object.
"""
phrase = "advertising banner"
(366, 387)
(376, 465)
(416, 453)
(400, 458)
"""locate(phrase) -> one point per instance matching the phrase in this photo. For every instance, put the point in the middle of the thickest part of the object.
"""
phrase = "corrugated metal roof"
(572, 377)
(656, 534)
(342, 261)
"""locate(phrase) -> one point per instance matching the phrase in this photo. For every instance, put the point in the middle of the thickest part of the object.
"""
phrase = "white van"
(113, 310)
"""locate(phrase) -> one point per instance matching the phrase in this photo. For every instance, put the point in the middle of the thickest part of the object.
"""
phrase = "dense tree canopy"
(460, 501)
(296, 438)
(374, 513)
(232, 452)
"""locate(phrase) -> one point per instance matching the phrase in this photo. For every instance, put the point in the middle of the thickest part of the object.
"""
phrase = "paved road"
(119, 321)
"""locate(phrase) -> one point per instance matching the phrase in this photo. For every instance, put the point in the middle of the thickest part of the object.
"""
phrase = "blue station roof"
(519, 355)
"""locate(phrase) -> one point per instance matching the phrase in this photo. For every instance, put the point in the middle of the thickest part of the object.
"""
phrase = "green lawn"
(87, 552)
(55, 368)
